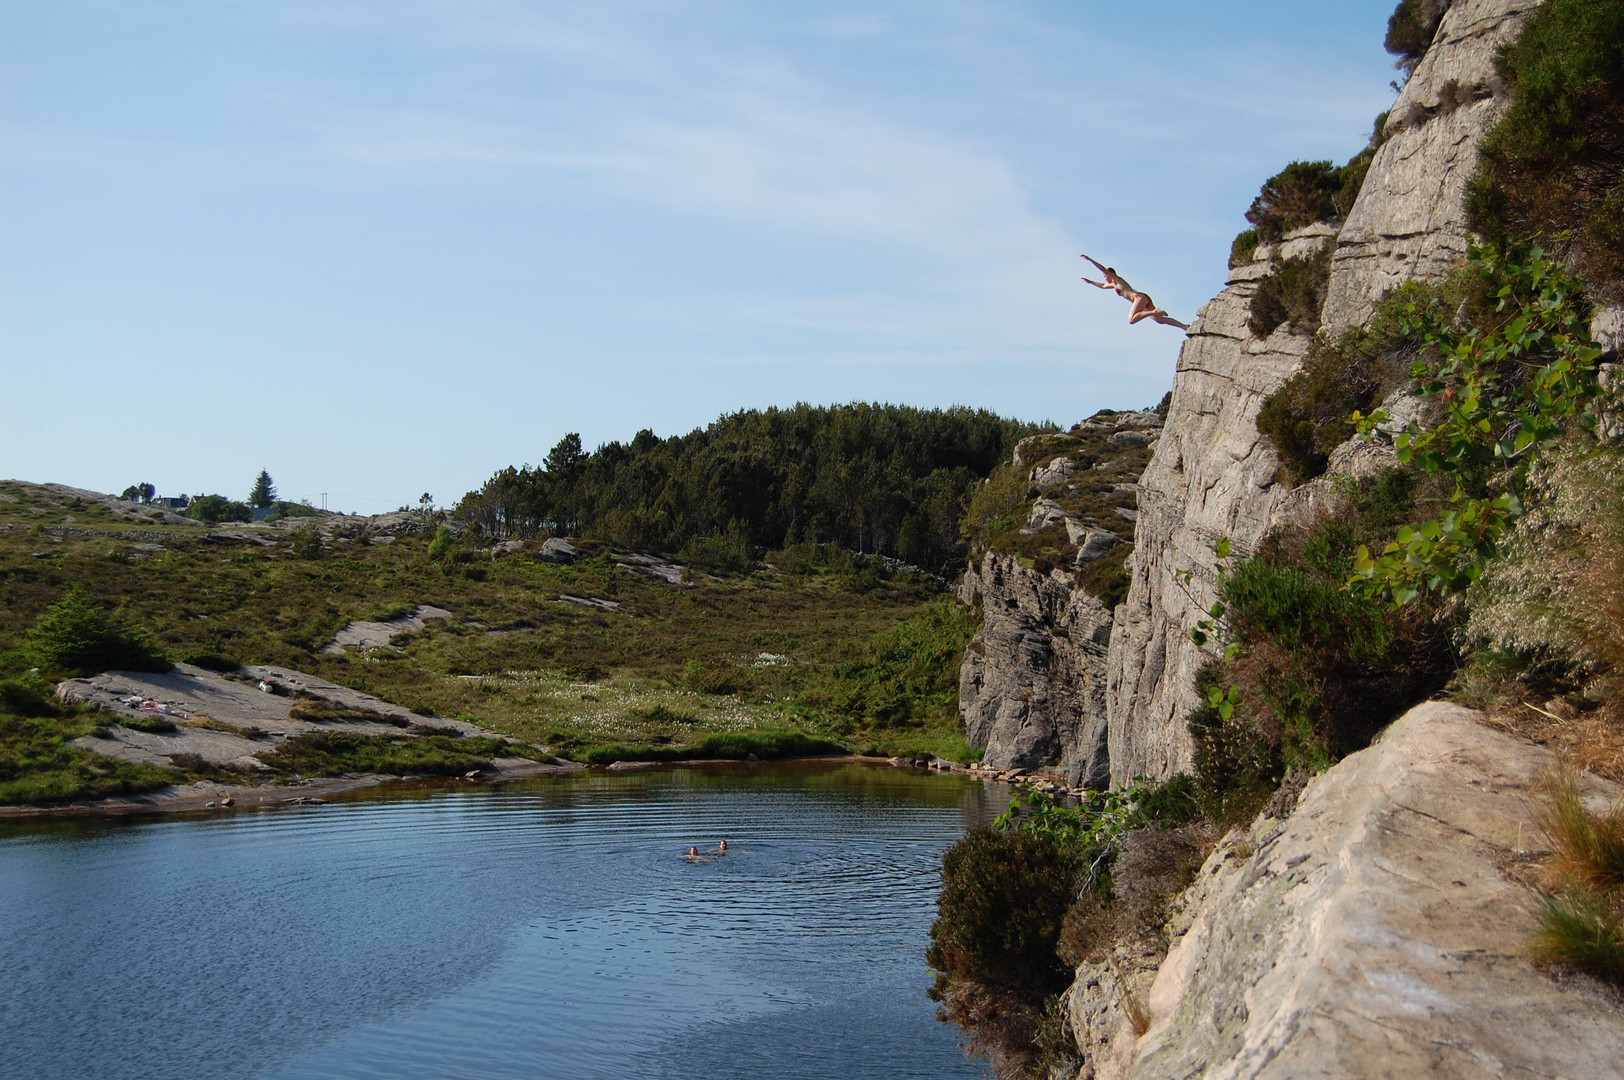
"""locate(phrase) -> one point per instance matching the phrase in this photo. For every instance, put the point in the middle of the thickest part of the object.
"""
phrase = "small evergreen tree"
(263, 493)
(76, 637)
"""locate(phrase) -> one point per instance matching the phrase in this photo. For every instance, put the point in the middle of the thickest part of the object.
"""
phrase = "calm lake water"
(542, 929)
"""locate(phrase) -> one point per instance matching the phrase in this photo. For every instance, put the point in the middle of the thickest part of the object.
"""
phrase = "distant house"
(178, 504)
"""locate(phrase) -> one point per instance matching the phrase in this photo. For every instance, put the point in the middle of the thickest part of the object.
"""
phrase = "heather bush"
(1552, 169)
(1411, 28)
(1292, 294)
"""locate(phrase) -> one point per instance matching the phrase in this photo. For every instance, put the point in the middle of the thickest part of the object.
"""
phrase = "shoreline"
(208, 795)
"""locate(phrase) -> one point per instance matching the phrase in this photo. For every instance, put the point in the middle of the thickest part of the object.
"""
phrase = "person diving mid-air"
(1143, 306)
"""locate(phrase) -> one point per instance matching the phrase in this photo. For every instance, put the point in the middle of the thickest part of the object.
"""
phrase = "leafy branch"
(1509, 390)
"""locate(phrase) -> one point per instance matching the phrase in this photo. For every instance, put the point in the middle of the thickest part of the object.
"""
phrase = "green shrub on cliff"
(1411, 28)
(1507, 386)
(1292, 294)
(1302, 193)
(1020, 897)
(1552, 169)
(1312, 670)
(1312, 412)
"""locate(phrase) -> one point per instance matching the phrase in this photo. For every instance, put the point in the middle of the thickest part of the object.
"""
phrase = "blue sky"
(388, 248)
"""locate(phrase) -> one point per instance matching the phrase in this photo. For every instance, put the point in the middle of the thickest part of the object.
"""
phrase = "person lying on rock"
(1143, 307)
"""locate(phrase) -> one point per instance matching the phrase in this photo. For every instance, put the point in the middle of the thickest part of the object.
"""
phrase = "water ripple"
(551, 928)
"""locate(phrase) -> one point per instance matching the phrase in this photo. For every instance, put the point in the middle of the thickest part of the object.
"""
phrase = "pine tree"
(263, 493)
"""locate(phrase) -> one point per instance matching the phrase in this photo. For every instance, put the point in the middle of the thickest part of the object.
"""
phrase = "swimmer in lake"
(693, 851)
(722, 846)
(1142, 306)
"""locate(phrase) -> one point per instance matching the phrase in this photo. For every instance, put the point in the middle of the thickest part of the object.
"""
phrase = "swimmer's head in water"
(722, 846)
(693, 852)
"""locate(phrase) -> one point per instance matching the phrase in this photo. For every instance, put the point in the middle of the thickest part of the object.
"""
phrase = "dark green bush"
(1236, 768)
(307, 542)
(1554, 164)
(29, 696)
(1170, 802)
(1411, 28)
(1308, 416)
(1303, 193)
(1300, 194)
(1311, 414)
(1004, 895)
(156, 724)
(215, 509)
(1244, 249)
(1293, 292)
(1354, 172)
(1108, 577)
(1315, 669)
(75, 637)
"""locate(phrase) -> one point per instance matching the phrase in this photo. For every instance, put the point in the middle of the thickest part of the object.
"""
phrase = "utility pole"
(324, 500)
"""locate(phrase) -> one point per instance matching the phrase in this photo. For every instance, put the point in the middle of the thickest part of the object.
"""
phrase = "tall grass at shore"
(40, 764)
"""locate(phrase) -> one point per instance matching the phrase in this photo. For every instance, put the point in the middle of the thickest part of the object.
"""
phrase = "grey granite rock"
(1032, 685)
(1410, 220)
(1369, 934)
(1045, 512)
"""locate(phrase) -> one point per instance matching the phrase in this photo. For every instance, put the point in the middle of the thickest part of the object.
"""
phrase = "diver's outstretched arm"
(1100, 285)
(1101, 267)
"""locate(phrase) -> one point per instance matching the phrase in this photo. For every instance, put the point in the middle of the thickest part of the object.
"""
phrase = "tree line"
(879, 479)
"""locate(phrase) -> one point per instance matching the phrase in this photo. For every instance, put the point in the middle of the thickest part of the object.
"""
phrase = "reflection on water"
(552, 928)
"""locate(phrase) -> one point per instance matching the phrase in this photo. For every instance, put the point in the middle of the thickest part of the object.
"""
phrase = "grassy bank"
(812, 643)
(40, 764)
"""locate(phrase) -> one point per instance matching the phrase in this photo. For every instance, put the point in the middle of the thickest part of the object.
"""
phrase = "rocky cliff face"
(1372, 932)
(1213, 475)
(1032, 684)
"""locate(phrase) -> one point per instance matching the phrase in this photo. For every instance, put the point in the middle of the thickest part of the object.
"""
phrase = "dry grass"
(1581, 917)
(1586, 848)
(1547, 619)
(1138, 1018)
(1592, 738)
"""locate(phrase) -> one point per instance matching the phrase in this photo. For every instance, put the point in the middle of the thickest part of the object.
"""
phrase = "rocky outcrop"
(1032, 685)
(1212, 475)
(1410, 220)
(1373, 932)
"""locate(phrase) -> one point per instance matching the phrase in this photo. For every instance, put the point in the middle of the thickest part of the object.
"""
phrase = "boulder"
(1055, 473)
(1093, 544)
(555, 549)
(1045, 512)
(1370, 933)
